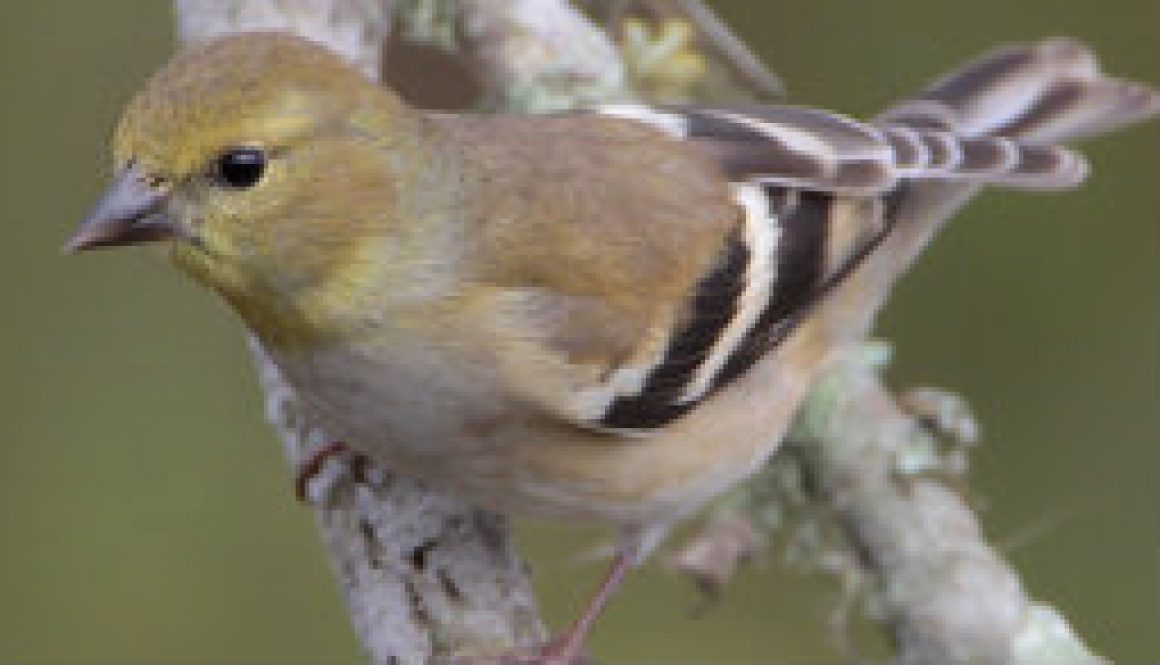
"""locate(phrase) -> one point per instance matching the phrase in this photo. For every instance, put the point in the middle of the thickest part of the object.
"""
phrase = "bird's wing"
(816, 150)
(680, 247)
(814, 194)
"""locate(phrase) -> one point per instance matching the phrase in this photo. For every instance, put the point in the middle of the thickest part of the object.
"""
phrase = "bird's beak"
(132, 211)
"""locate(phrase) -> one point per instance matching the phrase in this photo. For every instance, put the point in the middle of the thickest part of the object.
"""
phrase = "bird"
(609, 314)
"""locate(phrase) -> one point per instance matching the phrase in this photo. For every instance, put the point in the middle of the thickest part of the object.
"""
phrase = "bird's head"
(265, 162)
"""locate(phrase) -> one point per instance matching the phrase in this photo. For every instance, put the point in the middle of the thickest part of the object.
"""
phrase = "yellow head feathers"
(272, 163)
(256, 87)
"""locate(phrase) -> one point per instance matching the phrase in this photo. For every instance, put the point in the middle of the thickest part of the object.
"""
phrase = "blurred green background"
(146, 508)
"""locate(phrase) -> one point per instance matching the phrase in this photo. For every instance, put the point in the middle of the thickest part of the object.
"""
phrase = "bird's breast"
(400, 402)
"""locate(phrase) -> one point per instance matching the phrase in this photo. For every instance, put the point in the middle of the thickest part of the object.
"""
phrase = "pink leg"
(568, 647)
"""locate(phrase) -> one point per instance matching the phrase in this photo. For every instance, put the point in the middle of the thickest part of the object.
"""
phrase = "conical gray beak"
(131, 212)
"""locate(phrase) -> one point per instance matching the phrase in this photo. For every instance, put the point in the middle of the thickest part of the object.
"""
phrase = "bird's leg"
(567, 648)
(313, 464)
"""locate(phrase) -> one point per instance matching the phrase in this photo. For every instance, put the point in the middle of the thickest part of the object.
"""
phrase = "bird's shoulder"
(588, 206)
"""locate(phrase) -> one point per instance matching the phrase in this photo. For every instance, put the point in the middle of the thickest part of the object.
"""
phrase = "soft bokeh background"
(146, 511)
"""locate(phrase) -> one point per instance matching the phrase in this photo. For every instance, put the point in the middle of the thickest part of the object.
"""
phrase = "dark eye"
(240, 168)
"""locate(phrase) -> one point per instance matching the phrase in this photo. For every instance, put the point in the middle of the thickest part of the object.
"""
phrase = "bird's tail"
(1028, 95)
(1048, 92)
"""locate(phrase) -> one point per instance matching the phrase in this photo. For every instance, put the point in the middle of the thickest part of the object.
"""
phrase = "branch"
(948, 596)
(862, 486)
(529, 55)
(726, 68)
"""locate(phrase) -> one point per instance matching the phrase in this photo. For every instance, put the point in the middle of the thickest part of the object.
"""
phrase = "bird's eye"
(240, 168)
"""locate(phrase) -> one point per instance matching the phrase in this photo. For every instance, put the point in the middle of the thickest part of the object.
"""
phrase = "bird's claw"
(312, 466)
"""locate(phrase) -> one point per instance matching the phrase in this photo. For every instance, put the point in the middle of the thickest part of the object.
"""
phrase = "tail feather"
(1045, 92)
(1005, 109)
(1028, 96)
(1072, 110)
(934, 154)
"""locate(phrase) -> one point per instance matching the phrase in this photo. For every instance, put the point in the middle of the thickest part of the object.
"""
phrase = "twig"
(947, 596)
(756, 77)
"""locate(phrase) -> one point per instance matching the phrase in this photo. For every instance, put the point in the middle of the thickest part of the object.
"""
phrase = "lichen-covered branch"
(354, 29)
(529, 55)
(863, 491)
(718, 66)
(947, 596)
(424, 575)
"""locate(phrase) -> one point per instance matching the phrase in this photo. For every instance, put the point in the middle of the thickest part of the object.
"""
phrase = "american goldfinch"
(609, 314)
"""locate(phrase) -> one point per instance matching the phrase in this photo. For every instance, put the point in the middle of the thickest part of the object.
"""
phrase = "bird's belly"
(452, 427)
(397, 406)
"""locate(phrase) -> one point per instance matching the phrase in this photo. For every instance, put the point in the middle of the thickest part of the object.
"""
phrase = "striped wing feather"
(818, 193)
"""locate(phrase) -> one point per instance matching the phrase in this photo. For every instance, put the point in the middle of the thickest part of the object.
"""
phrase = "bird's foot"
(313, 465)
(566, 649)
